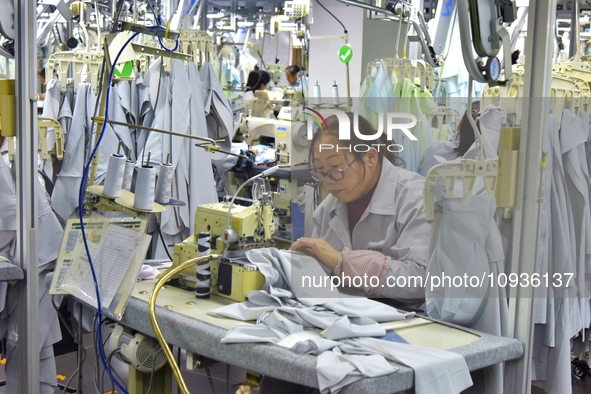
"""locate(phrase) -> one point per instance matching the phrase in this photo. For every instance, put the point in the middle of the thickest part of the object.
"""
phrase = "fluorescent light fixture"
(245, 24)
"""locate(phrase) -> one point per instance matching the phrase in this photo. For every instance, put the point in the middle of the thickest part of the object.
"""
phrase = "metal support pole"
(536, 93)
(80, 350)
(27, 352)
(575, 35)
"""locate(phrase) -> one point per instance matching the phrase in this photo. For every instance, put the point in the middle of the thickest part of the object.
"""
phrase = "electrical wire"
(76, 340)
(331, 14)
(164, 243)
(168, 274)
(81, 217)
(109, 357)
(153, 370)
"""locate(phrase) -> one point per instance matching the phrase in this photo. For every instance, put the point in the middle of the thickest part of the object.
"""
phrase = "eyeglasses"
(336, 174)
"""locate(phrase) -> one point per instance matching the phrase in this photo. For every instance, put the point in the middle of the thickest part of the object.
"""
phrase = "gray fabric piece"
(245, 333)
(363, 307)
(436, 371)
(334, 373)
(64, 199)
(345, 328)
(465, 221)
(280, 322)
(315, 346)
(241, 311)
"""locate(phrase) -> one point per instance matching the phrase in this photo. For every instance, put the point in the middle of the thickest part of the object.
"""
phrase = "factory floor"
(197, 381)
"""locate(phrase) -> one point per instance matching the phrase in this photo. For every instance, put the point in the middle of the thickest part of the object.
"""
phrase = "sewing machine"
(291, 142)
(232, 276)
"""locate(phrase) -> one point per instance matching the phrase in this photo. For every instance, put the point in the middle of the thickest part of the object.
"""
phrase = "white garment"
(572, 140)
(551, 353)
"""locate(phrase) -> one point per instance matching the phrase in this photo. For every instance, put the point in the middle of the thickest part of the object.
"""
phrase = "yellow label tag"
(544, 160)
(281, 134)
(61, 377)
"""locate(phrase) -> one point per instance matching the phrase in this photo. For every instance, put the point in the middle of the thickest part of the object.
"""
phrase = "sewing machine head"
(252, 232)
(291, 142)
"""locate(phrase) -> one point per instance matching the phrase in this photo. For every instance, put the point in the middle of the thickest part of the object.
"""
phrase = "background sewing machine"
(289, 136)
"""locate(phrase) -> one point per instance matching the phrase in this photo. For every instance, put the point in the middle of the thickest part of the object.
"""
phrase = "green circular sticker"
(346, 53)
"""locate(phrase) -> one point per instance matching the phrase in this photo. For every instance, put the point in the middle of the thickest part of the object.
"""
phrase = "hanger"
(580, 75)
(88, 61)
(445, 115)
(407, 68)
(44, 123)
(466, 169)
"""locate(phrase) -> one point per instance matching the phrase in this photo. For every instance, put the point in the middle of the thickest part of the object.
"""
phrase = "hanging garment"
(145, 108)
(392, 236)
(158, 144)
(469, 222)
(551, 367)
(7, 203)
(442, 133)
(584, 282)
(119, 110)
(573, 137)
(64, 199)
(220, 120)
(49, 235)
(440, 152)
(51, 109)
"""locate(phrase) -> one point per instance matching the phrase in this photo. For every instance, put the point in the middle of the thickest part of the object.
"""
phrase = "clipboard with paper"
(117, 261)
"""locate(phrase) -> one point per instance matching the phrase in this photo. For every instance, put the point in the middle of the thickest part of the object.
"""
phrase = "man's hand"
(319, 249)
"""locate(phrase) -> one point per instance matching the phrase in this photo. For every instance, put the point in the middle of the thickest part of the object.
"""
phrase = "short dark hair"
(293, 69)
(256, 79)
(41, 72)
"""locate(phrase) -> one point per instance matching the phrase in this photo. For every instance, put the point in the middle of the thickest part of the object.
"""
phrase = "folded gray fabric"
(315, 346)
(248, 333)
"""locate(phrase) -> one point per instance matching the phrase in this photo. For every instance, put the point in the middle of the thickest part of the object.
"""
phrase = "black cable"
(114, 372)
(153, 10)
(331, 14)
(153, 370)
(164, 243)
(109, 357)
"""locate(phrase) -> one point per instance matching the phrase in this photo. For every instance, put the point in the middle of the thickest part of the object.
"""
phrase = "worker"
(292, 73)
(41, 76)
(372, 222)
(257, 80)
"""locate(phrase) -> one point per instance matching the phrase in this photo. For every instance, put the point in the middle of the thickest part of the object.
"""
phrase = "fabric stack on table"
(345, 330)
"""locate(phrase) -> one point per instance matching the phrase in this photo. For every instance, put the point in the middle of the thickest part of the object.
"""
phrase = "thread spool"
(317, 99)
(114, 178)
(162, 194)
(203, 284)
(144, 188)
(128, 175)
(335, 94)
